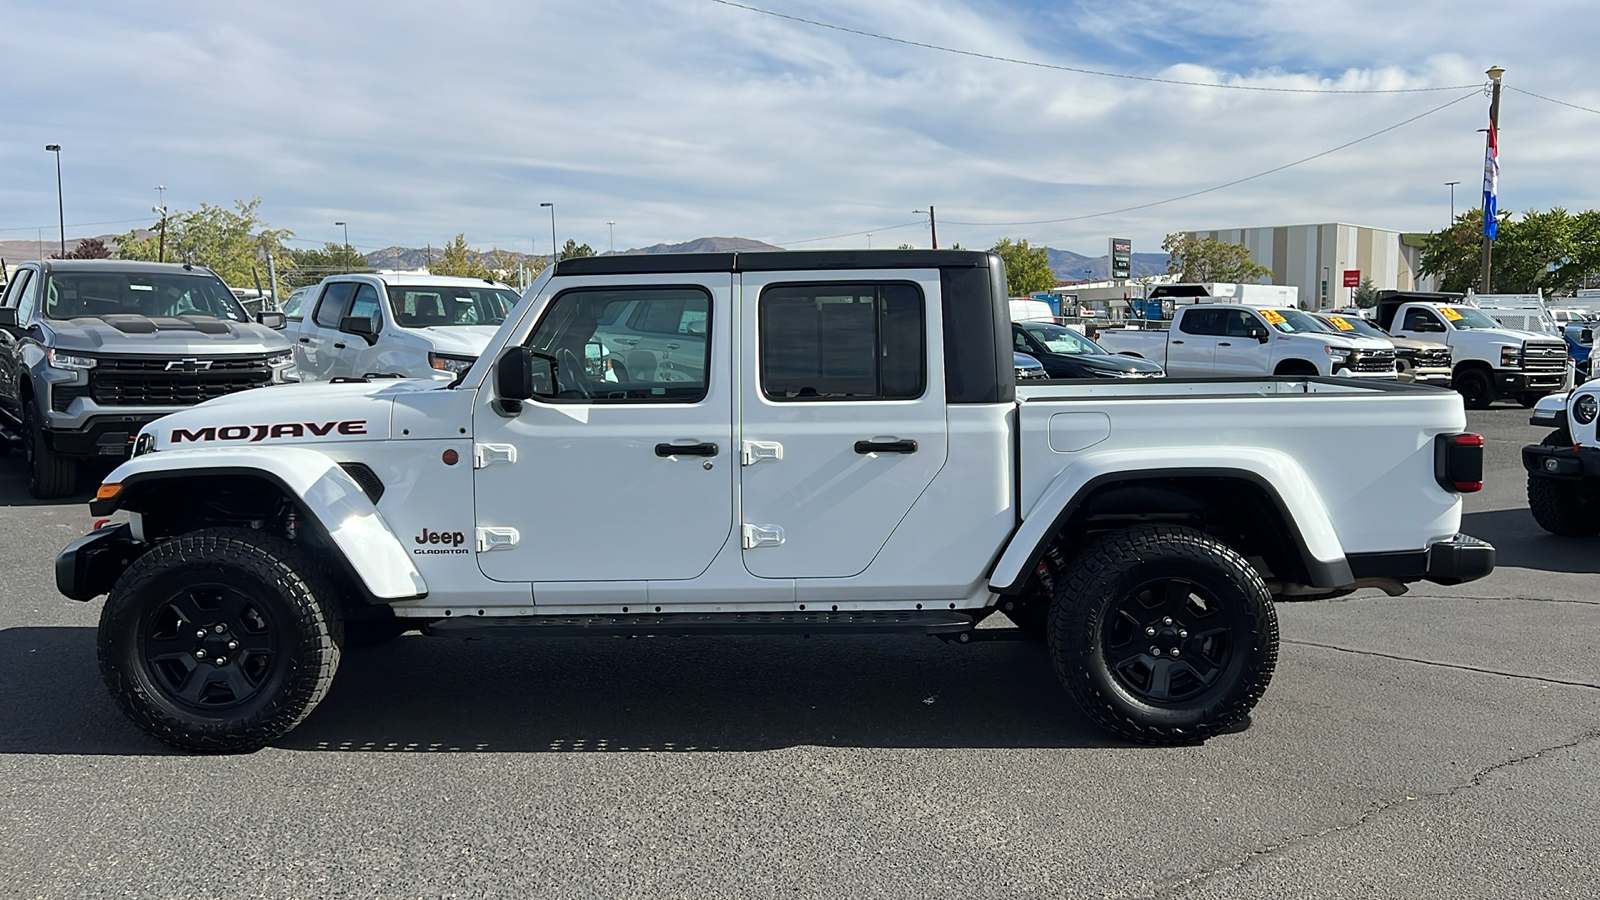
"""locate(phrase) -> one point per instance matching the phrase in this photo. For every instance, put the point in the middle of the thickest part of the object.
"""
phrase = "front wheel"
(1560, 509)
(220, 640)
(1163, 634)
(1477, 392)
(50, 474)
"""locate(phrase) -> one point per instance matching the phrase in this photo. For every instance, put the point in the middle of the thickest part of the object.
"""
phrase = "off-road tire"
(1085, 620)
(1475, 388)
(285, 589)
(50, 475)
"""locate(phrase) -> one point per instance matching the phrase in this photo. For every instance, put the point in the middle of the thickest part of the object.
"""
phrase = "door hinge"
(762, 536)
(497, 539)
(752, 452)
(485, 455)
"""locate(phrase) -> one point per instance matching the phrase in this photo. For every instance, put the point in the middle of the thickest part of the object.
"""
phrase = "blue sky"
(677, 119)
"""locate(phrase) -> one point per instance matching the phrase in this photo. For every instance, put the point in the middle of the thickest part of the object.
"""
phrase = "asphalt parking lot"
(1441, 744)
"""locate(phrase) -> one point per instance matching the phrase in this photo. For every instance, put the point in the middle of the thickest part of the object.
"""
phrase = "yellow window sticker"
(1450, 313)
(1341, 324)
(1272, 316)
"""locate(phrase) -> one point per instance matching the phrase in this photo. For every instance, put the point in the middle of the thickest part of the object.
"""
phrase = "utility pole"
(1491, 179)
(933, 227)
(161, 254)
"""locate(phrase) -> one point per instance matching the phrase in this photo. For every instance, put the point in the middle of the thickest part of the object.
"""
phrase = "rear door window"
(842, 341)
(1201, 321)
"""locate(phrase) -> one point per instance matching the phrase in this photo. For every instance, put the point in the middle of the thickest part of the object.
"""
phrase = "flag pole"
(1491, 180)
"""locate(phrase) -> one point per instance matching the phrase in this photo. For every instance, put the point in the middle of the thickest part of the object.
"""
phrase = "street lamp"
(346, 234)
(60, 209)
(553, 255)
(611, 235)
(1452, 186)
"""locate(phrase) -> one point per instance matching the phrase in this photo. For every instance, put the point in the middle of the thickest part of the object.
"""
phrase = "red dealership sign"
(1352, 278)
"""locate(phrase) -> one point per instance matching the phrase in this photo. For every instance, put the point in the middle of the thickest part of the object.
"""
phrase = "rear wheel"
(220, 640)
(1475, 388)
(1163, 634)
(50, 474)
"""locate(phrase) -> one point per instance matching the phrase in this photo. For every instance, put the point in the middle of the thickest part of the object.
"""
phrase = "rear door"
(10, 348)
(842, 416)
(1192, 343)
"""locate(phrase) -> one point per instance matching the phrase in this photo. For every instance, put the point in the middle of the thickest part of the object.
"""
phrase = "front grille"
(62, 395)
(1544, 357)
(1432, 359)
(1372, 361)
(148, 381)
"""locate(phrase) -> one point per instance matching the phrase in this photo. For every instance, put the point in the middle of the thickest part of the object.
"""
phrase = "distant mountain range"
(1070, 266)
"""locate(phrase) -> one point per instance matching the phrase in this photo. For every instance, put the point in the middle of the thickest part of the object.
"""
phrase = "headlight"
(455, 365)
(145, 443)
(1510, 357)
(1584, 409)
(280, 360)
(1338, 355)
(70, 361)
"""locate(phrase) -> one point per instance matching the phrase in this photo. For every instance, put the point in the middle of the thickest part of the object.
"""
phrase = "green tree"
(572, 250)
(88, 248)
(303, 267)
(458, 259)
(1195, 259)
(232, 243)
(1366, 295)
(1554, 252)
(1027, 268)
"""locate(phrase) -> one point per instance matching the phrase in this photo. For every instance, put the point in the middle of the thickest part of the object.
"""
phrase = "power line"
(851, 234)
(52, 226)
(1553, 100)
(1236, 181)
(1059, 68)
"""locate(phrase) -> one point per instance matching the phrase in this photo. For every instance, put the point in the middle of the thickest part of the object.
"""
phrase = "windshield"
(1354, 324)
(1057, 339)
(1467, 319)
(73, 295)
(1293, 321)
(430, 306)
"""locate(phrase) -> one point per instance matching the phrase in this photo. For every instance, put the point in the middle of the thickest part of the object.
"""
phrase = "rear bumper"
(1460, 559)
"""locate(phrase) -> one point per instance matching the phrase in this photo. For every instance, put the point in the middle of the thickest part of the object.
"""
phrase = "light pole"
(869, 240)
(611, 235)
(60, 209)
(346, 235)
(553, 254)
(1452, 186)
(161, 194)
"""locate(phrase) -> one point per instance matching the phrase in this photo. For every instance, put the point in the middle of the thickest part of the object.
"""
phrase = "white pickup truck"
(1489, 361)
(1229, 339)
(846, 451)
(416, 326)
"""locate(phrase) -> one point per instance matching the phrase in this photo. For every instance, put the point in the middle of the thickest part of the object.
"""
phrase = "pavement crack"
(1446, 665)
(1376, 808)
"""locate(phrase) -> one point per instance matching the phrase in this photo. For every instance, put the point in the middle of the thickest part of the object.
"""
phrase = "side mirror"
(361, 325)
(8, 317)
(273, 320)
(1259, 333)
(520, 374)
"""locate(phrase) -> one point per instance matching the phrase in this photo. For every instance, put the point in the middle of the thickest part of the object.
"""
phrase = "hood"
(1123, 364)
(287, 414)
(456, 340)
(1347, 341)
(176, 336)
(1407, 343)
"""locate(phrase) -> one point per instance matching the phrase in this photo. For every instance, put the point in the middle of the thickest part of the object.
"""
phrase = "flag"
(1491, 183)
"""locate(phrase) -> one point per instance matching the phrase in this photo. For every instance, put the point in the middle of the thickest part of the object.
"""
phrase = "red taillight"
(1458, 462)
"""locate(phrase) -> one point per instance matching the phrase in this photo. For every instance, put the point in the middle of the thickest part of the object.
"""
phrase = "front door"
(316, 355)
(842, 419)
(1239, 351)
(627, 474)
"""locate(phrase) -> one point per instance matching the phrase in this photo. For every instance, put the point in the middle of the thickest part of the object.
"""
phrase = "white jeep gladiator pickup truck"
(1229, 339)
(836, 443)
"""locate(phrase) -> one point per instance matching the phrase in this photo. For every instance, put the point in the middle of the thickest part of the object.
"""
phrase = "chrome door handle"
(705, 449)
(886, 447)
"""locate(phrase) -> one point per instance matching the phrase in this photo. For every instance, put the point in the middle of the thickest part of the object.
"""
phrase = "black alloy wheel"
(1163, 634)
(212, 647)
(1169, 639)
(220, 640)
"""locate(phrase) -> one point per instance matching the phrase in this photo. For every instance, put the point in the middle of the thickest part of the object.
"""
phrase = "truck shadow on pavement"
(597, 695)
(1520, 543)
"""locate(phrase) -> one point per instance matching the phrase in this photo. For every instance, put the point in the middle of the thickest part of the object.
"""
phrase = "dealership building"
(1314, 258)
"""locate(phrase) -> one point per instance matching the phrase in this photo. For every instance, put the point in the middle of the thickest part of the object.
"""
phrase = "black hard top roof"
(771, 261)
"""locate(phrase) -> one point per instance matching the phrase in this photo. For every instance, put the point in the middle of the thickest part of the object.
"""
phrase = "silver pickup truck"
(92, 350)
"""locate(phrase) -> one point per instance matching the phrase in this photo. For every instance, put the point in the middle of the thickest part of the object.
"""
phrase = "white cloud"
(682, 118)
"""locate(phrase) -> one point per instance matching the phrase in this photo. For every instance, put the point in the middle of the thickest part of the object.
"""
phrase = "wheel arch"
(1281, 521)
(1294, 366)
(327, 499)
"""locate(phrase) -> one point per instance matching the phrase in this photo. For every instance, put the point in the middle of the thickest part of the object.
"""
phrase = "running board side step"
(938, 622)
